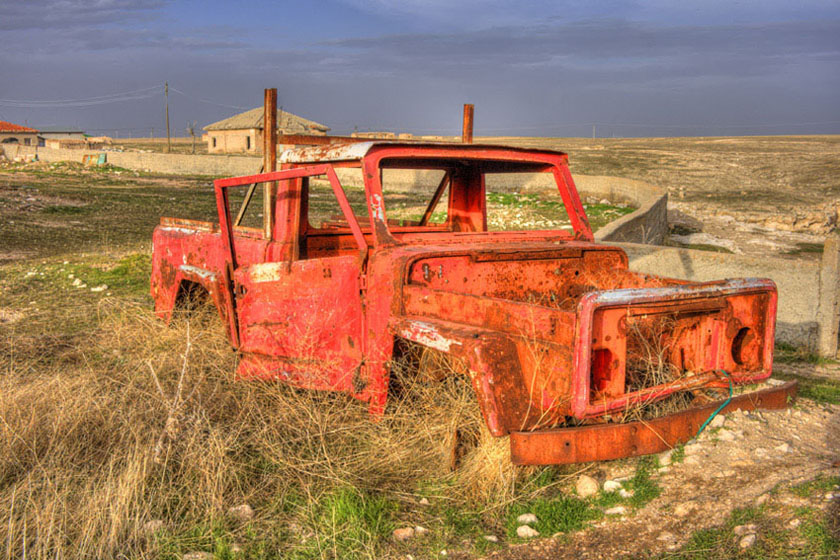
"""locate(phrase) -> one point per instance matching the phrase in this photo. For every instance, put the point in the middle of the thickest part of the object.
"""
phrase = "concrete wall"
(234, 141)
(217, 166)
(19, 138)
(809, 292)
(648, 224)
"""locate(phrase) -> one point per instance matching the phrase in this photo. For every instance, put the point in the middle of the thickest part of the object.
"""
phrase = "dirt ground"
(754, 470)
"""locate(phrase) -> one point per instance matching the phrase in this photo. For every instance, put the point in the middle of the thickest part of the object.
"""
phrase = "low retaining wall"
(179, 164)
(809, 292)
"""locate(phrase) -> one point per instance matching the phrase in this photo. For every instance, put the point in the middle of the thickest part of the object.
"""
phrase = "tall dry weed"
(108, 432)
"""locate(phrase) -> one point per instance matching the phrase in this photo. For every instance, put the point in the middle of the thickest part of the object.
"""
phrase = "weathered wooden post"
(467, 134)
(269, 157)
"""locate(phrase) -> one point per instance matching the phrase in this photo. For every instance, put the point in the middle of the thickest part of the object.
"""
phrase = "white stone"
(100, 288)
(491, 538)
(783, 448)
(586, 486)
(617, 510)
(725, 435)
(692, 449)
(744, 529)
(526, 532)
(242, 512)
(612, 486)
(420, 530)
(794, 523)
(424, 501)
(526, 519)
(718, 421)
(665, 536)
(403, 533)
(747, 541)
(626, 493)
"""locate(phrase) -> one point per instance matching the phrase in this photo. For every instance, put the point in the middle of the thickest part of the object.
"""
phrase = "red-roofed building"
(16, 134)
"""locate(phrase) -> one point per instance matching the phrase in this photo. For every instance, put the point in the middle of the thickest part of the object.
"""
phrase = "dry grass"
(107, 429)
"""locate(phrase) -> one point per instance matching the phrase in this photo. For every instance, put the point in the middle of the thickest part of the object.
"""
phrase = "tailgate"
(635, 346)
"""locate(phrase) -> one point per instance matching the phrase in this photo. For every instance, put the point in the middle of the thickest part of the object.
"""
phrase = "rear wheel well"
(191, 297)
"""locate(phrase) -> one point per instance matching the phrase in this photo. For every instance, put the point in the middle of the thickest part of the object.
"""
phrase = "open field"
(180, 145)
(122, 437)
(755, 195)
(760, 174)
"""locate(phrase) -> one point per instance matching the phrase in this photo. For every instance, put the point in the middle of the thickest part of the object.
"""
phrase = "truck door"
(301, 321)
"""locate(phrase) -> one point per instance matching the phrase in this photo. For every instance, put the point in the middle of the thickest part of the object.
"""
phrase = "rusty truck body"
(549, 324)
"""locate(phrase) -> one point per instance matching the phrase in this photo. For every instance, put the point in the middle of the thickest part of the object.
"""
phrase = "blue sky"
(643, 68)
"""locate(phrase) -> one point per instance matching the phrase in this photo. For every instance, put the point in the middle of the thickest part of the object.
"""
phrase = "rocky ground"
(761, 484)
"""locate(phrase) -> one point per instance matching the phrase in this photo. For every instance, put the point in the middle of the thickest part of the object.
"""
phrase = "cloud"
(521, 71)
(64, 14)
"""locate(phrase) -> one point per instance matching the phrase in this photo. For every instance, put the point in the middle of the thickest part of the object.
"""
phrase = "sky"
(538, 68)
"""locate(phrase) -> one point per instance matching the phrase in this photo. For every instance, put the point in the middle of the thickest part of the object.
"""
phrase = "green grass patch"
(560, 514)
(65, 210)
(350, 523)
(819, 485)
(818, 389)
(787, 354)
(807, 248)
(678, 454)
(643, 485)
(812, 539)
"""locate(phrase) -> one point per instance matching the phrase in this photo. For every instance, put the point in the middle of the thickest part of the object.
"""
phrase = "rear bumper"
(602, 442)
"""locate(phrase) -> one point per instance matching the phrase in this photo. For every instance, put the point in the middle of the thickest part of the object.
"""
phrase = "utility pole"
(168, 139)
(467, 131)
(269, 157)
(593, 131)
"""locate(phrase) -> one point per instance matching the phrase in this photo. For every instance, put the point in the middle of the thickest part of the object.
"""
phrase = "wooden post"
(467, 135)
(269, 158)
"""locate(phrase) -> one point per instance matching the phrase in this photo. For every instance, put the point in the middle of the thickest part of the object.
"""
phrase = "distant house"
(17, 134)
(243, 133)
(58, 133)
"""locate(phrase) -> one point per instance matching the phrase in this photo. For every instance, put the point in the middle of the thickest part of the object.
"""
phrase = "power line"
(206, 100)
(88, 101)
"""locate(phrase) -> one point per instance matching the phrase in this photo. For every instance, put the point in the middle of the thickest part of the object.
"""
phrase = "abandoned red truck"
(560, 340)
